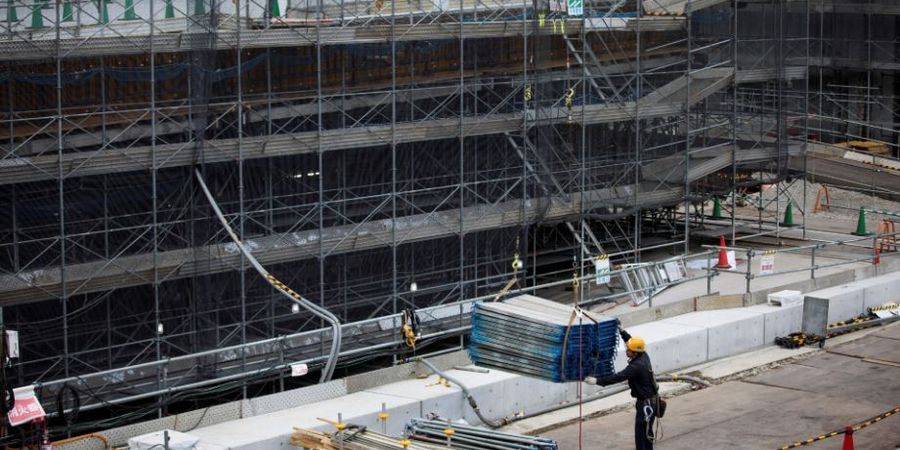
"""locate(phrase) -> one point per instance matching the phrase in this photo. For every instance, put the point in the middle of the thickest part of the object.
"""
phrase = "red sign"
(27, 407)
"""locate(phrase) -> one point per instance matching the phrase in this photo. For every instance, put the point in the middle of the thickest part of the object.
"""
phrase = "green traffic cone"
(104, 12)
(11, 12)
(861, 224)
(170, 10)
(129, 10)
(37, 16)
(717, 208)
(788, 215)
(68, 15)
(274, 9)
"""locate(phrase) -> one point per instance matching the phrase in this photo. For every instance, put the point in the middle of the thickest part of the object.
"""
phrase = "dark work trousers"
(643, 428)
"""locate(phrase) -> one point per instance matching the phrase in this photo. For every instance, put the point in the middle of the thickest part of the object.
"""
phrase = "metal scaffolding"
(359, 148)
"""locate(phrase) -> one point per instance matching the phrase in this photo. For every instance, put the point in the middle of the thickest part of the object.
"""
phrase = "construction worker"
(639, 374)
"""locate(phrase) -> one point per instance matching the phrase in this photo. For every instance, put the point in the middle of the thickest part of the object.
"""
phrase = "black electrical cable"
(72, 415)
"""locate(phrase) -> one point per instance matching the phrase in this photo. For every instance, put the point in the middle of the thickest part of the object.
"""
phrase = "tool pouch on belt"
(660, 407)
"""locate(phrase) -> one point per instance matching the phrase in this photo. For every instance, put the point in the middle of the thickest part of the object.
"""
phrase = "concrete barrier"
(779, 320)
(854, 298)
(729, 331)
(671, 346)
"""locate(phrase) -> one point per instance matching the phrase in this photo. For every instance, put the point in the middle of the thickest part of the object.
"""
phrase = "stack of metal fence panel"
(528, 335)
(471, 438)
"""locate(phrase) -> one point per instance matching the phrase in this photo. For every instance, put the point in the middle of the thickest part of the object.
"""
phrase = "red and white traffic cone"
(723, 255)
(848, 439)
(877, 259)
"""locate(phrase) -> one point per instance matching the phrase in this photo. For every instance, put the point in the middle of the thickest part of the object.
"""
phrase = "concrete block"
(670, 345)
(785, 298)
(844, 302)
(815, 315)
(730, 331)
(880, 290)
(779, 320)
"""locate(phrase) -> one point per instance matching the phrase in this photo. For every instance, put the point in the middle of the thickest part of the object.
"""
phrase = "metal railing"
(812, 249)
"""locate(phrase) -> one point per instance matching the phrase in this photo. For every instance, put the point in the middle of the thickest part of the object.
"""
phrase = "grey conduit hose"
(322, 313)
(469, 398)
(687, 378)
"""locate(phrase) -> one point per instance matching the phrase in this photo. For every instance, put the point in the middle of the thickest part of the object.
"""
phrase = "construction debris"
(543, 339)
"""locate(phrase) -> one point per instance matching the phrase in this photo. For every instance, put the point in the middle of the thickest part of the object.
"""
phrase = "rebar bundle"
(471, 438)
(543, 339)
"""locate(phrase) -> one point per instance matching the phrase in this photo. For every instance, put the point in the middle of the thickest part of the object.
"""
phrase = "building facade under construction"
(385, 160)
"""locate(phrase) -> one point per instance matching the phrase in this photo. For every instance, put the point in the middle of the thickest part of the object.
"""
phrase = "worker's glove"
(590, 380)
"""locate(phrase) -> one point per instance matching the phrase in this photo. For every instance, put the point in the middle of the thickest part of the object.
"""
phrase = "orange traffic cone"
(723, 255)
(848, 439)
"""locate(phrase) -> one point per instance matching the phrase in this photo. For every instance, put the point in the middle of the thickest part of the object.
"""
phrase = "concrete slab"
(871, 347)
(833, 383)
(725, 367)
(729, 331)
(890, 332)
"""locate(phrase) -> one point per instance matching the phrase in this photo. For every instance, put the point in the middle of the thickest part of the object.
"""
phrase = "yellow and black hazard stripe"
(281, 286)
(854, 428)
(885, 307)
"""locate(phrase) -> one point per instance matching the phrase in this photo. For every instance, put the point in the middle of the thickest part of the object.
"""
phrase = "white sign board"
(673, 272)
(576, 7)
(767, 264)
(601, 269)
(558, 5)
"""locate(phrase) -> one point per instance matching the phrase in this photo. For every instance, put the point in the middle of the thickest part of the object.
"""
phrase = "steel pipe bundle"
(471, 438)
(544, 339)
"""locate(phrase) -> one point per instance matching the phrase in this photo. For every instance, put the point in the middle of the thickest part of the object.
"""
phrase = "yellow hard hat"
(636, 344)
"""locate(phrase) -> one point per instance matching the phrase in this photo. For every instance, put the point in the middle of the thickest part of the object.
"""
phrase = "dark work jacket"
(639, 375)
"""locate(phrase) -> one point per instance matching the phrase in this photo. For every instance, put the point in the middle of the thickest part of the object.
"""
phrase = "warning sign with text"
(767, 264)
(601, 269)
(26, 408)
